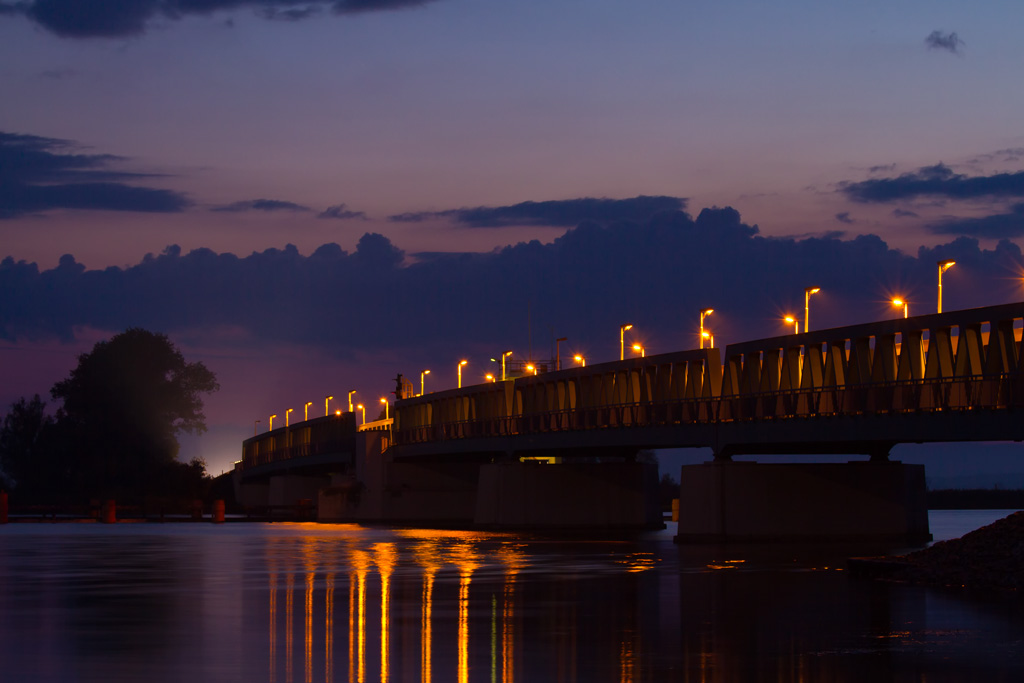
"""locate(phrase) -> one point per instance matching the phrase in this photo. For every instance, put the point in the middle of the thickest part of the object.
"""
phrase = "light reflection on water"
(304, 602)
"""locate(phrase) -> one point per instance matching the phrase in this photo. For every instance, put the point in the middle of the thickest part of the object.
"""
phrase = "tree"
(25, 437)
(122, 409)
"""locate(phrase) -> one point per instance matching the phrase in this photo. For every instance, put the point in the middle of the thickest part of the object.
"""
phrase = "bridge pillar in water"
(749, 501)
(607, 496)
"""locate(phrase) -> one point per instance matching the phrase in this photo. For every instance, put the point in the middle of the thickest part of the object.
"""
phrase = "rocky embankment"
(991, 557)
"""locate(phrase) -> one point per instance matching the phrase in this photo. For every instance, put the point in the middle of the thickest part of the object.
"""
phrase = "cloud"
(582, 284)
(125, 18)
(556, 213)
(341, 212)
(998, 226)
(937, 40)
(844, 217)
(937, 180)
(261, 205)
(39, 174)
(904, 213)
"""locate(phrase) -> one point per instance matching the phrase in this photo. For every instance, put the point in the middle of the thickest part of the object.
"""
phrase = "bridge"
(861, 389)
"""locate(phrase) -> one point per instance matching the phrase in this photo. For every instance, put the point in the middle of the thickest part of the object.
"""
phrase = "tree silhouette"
(122, 409)
(25, 452)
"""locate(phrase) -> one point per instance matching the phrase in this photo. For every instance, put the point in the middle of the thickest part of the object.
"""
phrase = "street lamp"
(255, 428)
(703, 314)
(710, 337)
(271, 425)
(422, 375)
(489, 377)
(459, 368)
(327, 405)
(900, 302)
(387, 415)
(558, 355)
(350, 399)
(943, 267)
(622, 340)
(306, 408)
(790, 320)
(807, 306)
(362, 408)
(641, 350)
(530, 367)
(287, 413)
(580, 359)
(507, 353)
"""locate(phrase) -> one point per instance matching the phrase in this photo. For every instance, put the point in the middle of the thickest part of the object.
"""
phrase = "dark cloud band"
(122, 18)
(39, 174)
(557, 213)
(261, 205)
(938, 180)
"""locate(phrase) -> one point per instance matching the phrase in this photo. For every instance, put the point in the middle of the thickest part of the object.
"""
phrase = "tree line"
(112, 432)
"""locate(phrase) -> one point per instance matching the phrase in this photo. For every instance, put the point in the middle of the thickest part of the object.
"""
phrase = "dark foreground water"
(294, 602)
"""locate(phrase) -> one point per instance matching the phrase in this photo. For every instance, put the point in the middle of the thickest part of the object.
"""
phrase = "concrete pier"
(606, 496)
(749, 501)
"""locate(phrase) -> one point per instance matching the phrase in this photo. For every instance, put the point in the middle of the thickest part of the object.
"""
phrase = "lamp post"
(558, 354)
(270, 426)
(287, 414)
(906, 306)
(422, 375)
(489, 377)
(703, 314)
(622, 340)
(503, 356)
(580, 359)
(530, 367)
(255, 428)
(807, 306)
(790, 320)
(350, 399)
(943, 267)
(362, 408)
(640, 349)
(327, 405)
(387, 415)
(459, 369)
(306, 409)
(710, 337)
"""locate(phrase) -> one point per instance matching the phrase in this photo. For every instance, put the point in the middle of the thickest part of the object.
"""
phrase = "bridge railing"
(977, 392)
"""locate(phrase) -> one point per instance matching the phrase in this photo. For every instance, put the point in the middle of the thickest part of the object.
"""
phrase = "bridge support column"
(749, 501)
(606, 496)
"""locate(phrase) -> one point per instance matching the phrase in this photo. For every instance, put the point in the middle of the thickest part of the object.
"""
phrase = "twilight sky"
(419, 138)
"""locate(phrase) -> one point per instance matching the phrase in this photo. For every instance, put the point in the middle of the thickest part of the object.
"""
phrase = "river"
(304, 602)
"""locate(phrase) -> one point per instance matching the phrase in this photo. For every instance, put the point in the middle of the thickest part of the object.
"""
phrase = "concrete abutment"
(749, 501)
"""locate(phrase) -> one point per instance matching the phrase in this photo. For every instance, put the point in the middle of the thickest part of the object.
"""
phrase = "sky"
(310, 196)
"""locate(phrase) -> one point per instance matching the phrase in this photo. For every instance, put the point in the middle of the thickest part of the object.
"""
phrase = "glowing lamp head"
(812, 290)
(790, 319)
(946, 265)
(898, 302)
(706, 334)
(463, 362)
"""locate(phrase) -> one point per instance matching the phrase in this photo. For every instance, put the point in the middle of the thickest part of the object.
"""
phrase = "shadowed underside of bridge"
(955, 376)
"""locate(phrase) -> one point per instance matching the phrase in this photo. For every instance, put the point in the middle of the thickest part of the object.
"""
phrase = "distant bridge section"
(954, 376)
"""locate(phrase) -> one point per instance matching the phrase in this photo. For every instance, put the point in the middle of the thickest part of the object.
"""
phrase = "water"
(294, 602)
